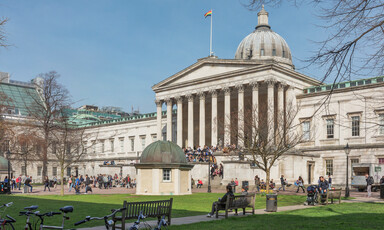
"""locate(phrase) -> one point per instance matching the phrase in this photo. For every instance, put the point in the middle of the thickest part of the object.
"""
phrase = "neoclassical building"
(202, 100)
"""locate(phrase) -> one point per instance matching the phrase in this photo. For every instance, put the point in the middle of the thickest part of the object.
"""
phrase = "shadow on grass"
(343, 216)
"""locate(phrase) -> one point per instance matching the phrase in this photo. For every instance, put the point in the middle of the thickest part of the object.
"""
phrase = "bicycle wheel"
(145, 225)
(8, 226)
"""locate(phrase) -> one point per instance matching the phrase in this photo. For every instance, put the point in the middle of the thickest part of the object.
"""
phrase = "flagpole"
(210, 39)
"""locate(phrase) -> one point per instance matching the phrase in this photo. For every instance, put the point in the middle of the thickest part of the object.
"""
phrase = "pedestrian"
(300, 184)
(70, 183)
(330, 181)
(282, 181)
(87, 183)
(370, 182)
(257, 183)
(46, 184)
(18, 180)
(28, 182)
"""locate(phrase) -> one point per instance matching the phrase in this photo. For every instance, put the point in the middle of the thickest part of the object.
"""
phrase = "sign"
(378, 169)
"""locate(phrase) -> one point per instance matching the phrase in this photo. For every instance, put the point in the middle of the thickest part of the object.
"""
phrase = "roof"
(18, 97)
(163, 152)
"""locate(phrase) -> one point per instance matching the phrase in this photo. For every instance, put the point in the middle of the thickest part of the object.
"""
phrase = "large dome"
(263, 44)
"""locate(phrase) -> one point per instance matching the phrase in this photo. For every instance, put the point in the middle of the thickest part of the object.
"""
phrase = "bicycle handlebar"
(7, 205)
(88, 218)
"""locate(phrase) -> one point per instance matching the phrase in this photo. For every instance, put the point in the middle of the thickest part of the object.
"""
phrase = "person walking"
(257, 183)
(282, 181)
(370, 182)
(87, 183)
(300, 184)
(18, 181)
(46, 184)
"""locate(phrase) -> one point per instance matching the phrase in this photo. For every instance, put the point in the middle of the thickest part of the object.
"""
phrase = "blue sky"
(112, 52)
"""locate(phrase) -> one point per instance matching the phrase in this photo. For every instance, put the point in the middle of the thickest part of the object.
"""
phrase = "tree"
(3, 38)
(67, 144)
(46, 108)
(268, 134)
(355, 44)
(25, 146)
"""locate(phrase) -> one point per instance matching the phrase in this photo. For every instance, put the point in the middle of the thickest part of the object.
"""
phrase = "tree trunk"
(267, 172)
(62, 179)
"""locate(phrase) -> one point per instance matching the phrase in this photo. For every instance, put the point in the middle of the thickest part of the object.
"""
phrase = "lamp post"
(8, 153)
(209, 173)
(347, 151)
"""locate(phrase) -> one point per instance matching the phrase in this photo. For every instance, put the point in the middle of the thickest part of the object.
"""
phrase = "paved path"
(203, 218)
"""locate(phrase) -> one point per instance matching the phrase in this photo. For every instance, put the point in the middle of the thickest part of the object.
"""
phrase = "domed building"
(264, 45)
(163, 170)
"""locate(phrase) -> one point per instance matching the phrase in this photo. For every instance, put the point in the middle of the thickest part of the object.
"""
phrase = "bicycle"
(162, 223)
(28, 213)
(64, 210)
(6, 224)
(137, 226)
(107, 223)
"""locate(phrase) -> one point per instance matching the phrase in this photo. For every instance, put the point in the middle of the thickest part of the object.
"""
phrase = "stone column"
(271, 110)
(255, 108)
(190, 120)
(159, 104)
(214, 118)
(240, 115)
(179, 100)
(169, 119)
(202, 120)
(280, 109)
(227, 116)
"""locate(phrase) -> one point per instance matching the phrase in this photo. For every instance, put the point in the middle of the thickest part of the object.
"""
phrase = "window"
(273, 52)
(85, 147)
(262, 52)
(283, 53)
(121, 140)
(38, 148)
(328, 167)
(381, 123)
(330, 128)
(69, 171)
(54, 171)
(356, 126)
(39, 169)
(154, 137)
(354, 161)
(102, 146)
(381, 161)
(112, 143)
(54, 148)
(23, 170)
(69, 152)
(142, 139)
(166, 175)
(132, 139)
(306, 130)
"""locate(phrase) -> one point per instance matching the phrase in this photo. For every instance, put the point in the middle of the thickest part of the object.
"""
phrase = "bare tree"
(3, 38)
(355, 45)
(46, 109)
(25, 148)
(268, 134)
(67, 145)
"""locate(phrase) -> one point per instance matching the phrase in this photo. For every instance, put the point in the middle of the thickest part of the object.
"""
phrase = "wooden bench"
(237, 202)
(155, 209)
(331, 195)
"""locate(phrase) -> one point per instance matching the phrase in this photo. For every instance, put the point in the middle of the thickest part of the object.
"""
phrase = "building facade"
(202, 100)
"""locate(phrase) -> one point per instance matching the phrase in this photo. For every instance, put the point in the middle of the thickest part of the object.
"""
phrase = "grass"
(100, 205)
(340, 216)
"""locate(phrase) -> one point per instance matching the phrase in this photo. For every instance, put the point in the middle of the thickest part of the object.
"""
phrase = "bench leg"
(217, 211)
(243, 211)
(226, 213)
(236, 212)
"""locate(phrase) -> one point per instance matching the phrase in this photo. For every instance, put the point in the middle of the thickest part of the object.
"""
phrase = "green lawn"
(343, 216)
(100, 205)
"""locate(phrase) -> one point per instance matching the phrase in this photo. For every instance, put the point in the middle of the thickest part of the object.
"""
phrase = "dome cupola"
(264, 45)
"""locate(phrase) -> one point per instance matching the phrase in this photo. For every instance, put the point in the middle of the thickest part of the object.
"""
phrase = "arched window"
(274, 52)
(262, 52)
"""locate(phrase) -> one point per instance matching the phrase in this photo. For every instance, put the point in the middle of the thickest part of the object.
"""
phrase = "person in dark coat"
(221, 201)
(323, 185)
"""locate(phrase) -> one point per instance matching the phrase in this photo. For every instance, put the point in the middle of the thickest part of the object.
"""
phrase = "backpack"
(370, 180)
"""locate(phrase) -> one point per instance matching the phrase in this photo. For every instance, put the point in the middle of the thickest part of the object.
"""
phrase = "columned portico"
(159, 104)
(214, 122)
(240, 89)
(190, 121)
(202, 119)
(169, 119)
(227, 116)
(179, 101)
(255, 108)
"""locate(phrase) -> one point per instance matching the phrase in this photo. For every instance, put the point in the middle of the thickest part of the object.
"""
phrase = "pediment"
(203, 69)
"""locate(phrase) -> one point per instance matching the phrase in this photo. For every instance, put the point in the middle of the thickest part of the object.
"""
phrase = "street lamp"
(347, 151)
(8, 153)
(209, 173)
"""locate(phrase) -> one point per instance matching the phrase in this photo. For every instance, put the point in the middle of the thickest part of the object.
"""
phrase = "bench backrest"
(149, 208)
(241, 201)
(335, 193)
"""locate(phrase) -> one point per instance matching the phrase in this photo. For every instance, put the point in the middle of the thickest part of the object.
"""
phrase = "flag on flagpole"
(209, 13)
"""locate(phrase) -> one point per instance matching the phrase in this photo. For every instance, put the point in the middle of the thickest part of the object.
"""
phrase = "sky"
(110, 53)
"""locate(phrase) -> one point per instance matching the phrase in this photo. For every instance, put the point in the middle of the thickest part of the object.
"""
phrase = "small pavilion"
(163, 170)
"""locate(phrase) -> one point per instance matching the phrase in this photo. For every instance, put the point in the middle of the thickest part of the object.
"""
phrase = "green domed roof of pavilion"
(163, 152)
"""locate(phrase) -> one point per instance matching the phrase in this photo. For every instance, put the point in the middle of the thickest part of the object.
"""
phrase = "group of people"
(200, 154)
(217, 170)
(17, 182)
